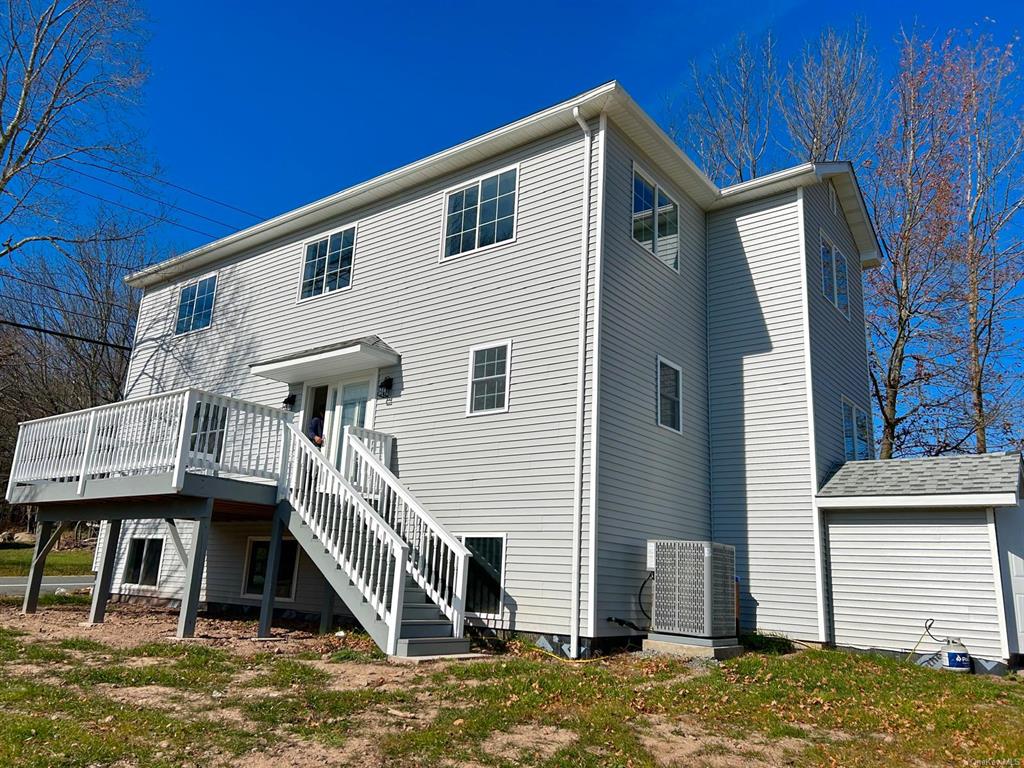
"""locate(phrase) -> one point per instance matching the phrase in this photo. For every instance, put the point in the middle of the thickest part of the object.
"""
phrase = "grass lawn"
(15, 560)
(78, 702)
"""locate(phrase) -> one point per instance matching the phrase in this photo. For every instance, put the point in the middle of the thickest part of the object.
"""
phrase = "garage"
(933, 538)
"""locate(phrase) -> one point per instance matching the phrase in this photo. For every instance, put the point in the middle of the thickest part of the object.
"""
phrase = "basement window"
(328, 263)
(834, 279)
(142, 566)
(670, 395)
(256, 557)
(485, 580)
(481, 214)
(655, 220)
(195, 305)
(856, 432)
(489, 373)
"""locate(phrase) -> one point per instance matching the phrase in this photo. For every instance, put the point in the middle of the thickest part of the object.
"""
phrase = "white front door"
(351, 403)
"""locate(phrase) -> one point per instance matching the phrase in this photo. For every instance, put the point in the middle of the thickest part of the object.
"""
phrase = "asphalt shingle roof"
(984, 473)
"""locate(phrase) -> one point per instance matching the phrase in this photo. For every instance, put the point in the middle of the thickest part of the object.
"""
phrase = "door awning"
(331, 360)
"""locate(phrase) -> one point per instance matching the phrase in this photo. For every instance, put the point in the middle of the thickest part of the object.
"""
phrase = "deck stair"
(396, 568)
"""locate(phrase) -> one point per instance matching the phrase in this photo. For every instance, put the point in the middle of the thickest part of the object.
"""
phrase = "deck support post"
(327, 609)
(47, 535)
(273, 565)
(105, 574)
(194, 574)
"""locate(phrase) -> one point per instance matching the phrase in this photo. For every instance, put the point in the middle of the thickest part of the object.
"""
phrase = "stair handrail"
(333, 528)
(441, 575)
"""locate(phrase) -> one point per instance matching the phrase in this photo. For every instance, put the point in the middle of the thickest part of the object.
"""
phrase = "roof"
(990, 479)
(611, 99)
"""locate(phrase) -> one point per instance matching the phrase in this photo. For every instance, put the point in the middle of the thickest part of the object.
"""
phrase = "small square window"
(256, 568)
(480, 214)
(328, 263)
(670, 395)
(195, 305)
(489, 378)
(142, 566)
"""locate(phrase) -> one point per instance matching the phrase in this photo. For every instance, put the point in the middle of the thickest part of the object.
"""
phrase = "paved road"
(15, 585)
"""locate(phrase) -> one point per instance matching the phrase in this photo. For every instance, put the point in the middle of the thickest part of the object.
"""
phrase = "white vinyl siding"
(839, 360)
(510, 471)
(890, 570)
(653, 483)
(760, 442)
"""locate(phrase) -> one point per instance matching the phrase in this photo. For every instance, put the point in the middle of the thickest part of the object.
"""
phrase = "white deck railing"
(438, 562)
(174, 432)
(369, 551)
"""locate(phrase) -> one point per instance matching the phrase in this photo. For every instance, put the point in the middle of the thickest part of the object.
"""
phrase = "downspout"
(581, 388)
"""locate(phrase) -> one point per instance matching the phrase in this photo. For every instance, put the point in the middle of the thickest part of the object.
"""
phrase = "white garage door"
(890, 570)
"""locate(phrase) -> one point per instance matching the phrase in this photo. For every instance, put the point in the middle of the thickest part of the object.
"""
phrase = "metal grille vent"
(694, 588)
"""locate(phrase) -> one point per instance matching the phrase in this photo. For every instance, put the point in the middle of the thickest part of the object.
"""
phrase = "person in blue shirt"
(315, 431)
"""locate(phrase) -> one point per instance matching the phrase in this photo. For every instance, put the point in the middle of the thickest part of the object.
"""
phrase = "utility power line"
(139, 211)
(63, 335)
(64, 291)
(63, 311)
(104, 163)
(155, 199)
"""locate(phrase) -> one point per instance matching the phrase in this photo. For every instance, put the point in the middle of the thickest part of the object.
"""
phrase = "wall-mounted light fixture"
(384, 387)
(289, 402)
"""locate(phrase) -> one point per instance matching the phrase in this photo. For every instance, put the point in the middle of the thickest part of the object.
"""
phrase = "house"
(471, 389)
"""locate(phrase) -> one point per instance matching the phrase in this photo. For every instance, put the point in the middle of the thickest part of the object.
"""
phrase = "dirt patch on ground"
(128, 625)
(686, 744)
(538, 741)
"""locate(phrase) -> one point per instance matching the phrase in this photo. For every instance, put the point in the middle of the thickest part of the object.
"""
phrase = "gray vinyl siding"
(505, 472)
(838, 345)
(891, 570)
(653, 483)
(760, 443)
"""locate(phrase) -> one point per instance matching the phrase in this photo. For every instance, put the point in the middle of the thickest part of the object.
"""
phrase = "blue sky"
(268, 109)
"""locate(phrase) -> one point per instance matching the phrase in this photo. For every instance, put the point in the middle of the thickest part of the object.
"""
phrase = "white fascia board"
(937, 500)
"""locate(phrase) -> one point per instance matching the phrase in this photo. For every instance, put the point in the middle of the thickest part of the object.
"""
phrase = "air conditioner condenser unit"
(694, 603)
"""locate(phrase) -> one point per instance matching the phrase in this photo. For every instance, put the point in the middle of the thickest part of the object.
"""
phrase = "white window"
(834, 280)
(328, 263)
(485, 579)
(489, 372)
(142, 566)
(655, 220)
(195, 305)
(670, 395)
(856, 432)
(257, 555)
(481, 213)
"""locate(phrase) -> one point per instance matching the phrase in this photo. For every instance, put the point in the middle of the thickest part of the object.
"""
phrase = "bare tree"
(827, 100)
(730, 124)
(987, 251)
(911, 195)
(68, 72)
